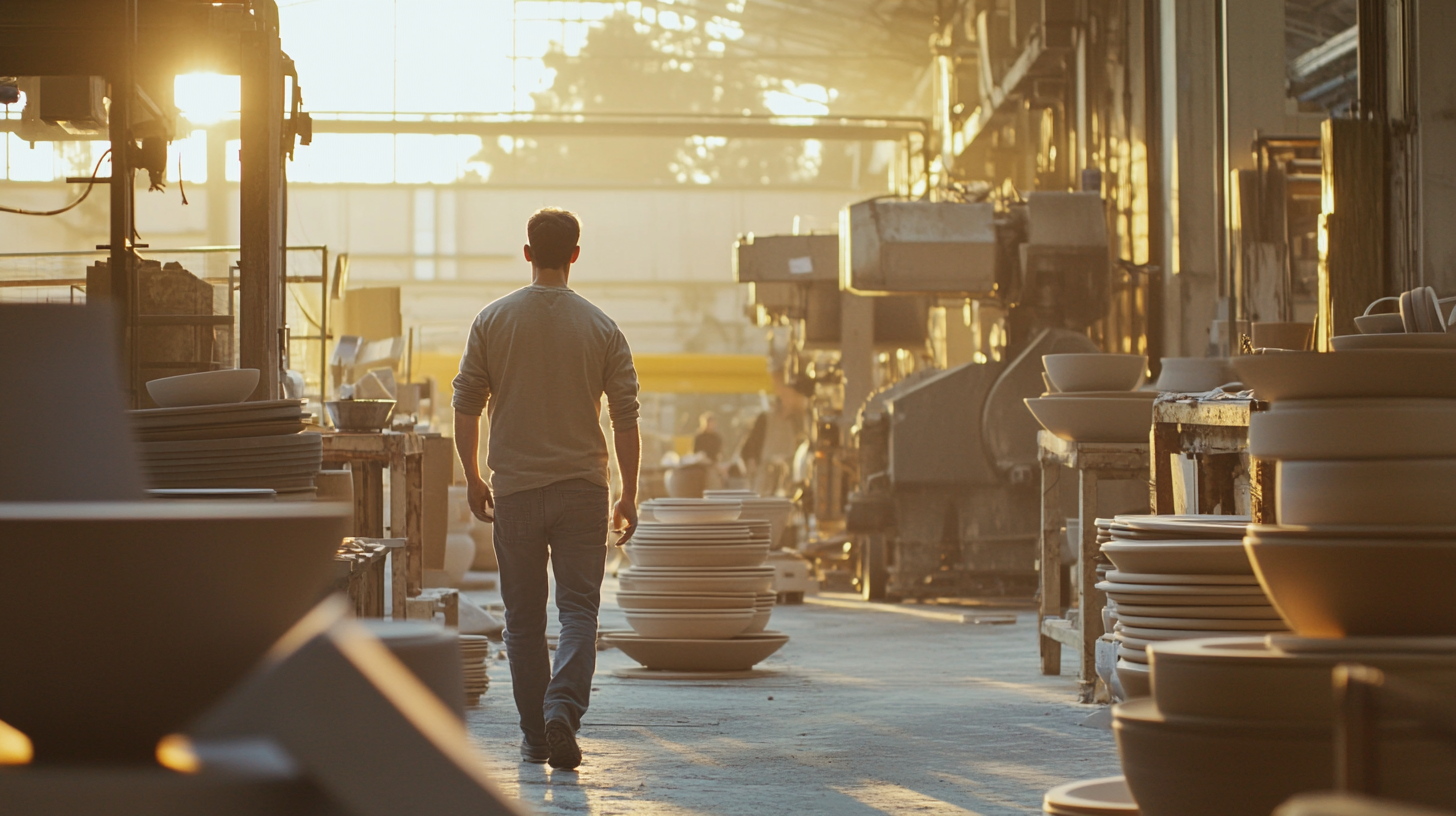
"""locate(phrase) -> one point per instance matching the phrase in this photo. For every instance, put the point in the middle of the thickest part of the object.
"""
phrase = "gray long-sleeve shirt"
(542, 357)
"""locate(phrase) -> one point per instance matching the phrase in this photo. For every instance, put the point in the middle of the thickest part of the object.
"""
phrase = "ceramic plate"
(1156, 635)
(1264, 612)
(1163, 601)
(255, 443)
(1118, 576)
(1201, 624)
(1193, 556)
(1132, 655)
(1177, 589)
(217, 409)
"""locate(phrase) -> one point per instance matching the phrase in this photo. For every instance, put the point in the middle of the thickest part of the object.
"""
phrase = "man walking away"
(542, 357)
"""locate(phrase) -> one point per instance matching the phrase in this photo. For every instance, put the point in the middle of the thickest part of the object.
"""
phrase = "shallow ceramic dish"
(735, 654)
(1355, 429)
(1420, 340)
(1367, 491)
(681, 585)
(229, 385)
(1209, 624)
(1342, 587)
(1225, 557)
(1262, 612)
(707, 624)
(1183, 590)
(1189, 525)
(1373, 373)
(1181, 634)
(1255, 601)
(1147, 396)
(1107, 796)
(708, 513)
(1132, 655)
(1095, 372)
(1181, 579)
(1248, 678)
(1135, 678)
(1086, 419)
(700, 600)
(743, 555)
(1194, 375)
(187, 574)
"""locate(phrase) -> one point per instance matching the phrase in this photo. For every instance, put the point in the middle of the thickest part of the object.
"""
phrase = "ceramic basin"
(1367, 491)
(1095, 372)
(1330, 588)
(166, 606)
(1094, 420)
(1375, 373)
(735, 654)
(1355, 429)
(204, 388)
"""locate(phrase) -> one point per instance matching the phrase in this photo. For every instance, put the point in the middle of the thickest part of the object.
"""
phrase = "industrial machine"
(929, 475)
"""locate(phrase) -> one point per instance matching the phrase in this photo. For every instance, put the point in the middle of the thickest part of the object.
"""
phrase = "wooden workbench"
(367, 454)
(1217, 433)
(1093, 462)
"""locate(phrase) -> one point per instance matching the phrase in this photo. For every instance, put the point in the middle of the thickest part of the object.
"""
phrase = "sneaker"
(537, 754)
(565, 754)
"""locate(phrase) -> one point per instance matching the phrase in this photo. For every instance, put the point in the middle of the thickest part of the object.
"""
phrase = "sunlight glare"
(207, 99)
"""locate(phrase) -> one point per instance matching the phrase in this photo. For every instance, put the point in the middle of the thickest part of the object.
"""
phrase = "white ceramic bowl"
(1094, 420)
(1194, 375)
(700, 600)
(1331, 588)
(697, 654)
(1224, 557)
(1095, 372)
(708, 512)
(1373, 373)
(1355, 429)
(634, 581)
(759, 622)
(707, 624)
(204, 388)
(740, 555)
(1367, 491)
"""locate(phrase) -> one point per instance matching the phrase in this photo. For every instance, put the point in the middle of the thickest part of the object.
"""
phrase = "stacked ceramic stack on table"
(474, 649)
(1360, 567)
(1178, 578)
(697, 594)
(208, 438)
(1093, 398)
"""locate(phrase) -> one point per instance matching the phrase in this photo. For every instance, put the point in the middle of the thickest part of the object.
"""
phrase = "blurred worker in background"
(708, 441)
(541, 358)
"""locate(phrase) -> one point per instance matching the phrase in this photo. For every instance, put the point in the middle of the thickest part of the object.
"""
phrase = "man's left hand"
(624, 519)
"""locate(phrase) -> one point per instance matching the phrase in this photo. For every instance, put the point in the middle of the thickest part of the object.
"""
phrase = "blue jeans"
(566, 522)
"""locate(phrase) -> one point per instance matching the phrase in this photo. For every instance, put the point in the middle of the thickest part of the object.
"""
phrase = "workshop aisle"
(873, 713)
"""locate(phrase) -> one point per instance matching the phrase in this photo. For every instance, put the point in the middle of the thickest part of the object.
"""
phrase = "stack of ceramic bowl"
(474, 650)
(1177, 578)
(772, 509)
(697, 594)
(1094, 398)
(1421, 323)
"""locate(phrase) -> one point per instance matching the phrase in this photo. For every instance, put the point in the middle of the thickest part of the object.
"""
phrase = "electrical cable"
(68, 207)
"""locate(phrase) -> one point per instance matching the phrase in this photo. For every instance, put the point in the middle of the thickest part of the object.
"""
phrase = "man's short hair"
(552, 233)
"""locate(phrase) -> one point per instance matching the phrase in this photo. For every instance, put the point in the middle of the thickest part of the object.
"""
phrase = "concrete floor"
(873, 713)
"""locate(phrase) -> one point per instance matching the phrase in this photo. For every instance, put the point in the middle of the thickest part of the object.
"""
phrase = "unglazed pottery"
(700, 600)
(707, 624)
(1287, 336)
(229, 385)
(1374, 373)
(1182, 579)
(1194, 375)
(705, 511)
(1095, 372)
(1197, 557)
(360, 414)
(176, 601)
(1339, 587)
(738, 555)
(735, 654)
(1107, 796)
(1084, 419)
(1355, 429)
(1419, 340)
(1135, 679)
(1367, 491)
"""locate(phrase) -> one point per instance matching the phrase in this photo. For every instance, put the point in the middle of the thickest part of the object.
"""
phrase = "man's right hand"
(482, 503)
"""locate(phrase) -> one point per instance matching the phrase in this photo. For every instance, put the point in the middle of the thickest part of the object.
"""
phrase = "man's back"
(541, 358)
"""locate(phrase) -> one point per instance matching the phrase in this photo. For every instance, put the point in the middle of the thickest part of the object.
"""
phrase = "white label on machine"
(801, 266)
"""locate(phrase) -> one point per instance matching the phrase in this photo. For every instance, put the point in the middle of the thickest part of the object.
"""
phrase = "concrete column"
(857, 353)
(1435, 96)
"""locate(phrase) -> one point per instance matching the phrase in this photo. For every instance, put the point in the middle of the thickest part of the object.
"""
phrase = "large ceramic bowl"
(735, 654)
(360, 414)
(707, 624)
(1187, 557)
(1380, 324)
(166, 605)
(1191, 766)
(1286, 336)
(1090, 797)
(1386, 373)
(734, 555)
(1355, 429)
(1095, 372)
(1249, 678)
(1094, 420)
(1330, 588)
(699, 600)
(204, 388)
(1194, 375)
(637, 579)
(1416, 340)
(1367, 491)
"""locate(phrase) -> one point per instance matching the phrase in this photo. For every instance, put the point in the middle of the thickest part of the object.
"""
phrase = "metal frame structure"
(138, 46)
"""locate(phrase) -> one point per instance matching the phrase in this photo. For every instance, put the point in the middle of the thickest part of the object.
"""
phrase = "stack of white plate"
(773, 509)
(1178, 578)
(474, 649)
(228, 421)
(284, 463)
(697, 576)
